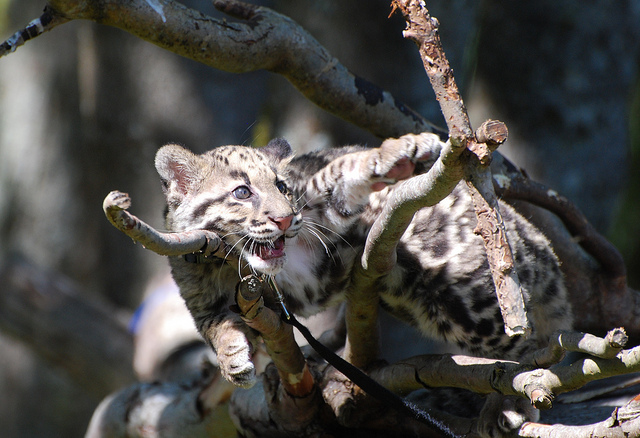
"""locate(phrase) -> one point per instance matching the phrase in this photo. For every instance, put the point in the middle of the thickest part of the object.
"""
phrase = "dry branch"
(278, 337)
(607, 347)
(423, 30)
(624, 422)
(202, 242)
(47, 21)
(484, 376)
(518, 187)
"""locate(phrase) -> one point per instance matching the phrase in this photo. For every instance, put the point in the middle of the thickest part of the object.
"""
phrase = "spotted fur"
(304, 219)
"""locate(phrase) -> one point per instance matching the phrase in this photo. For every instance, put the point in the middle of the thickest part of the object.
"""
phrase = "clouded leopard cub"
(304, 219)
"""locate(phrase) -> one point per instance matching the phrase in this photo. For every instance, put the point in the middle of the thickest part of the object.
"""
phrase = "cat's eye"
(242, 192)
(280, 185)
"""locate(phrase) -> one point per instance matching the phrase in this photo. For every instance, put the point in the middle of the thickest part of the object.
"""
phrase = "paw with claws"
(232, 341)
(397, 157)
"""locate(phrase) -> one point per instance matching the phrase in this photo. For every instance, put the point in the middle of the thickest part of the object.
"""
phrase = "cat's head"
(238, 192)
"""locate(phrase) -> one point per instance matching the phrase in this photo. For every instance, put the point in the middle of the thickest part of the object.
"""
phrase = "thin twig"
(521, 188)
(47, 21)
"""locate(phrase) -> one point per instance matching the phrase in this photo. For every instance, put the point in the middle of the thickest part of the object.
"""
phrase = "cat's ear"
(278, 149)
(177, 168)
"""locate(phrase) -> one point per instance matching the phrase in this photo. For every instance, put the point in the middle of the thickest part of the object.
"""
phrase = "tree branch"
(202, 242)
(423, 30)
(518, 187)
(278, 337)
(263, 39)
(484, 376)
(47, 21)
(624, 422)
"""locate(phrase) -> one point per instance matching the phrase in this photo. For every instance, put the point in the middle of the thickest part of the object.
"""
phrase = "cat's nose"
(282, 222)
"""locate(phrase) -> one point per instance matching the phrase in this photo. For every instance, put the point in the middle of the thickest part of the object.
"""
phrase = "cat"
(304, 219)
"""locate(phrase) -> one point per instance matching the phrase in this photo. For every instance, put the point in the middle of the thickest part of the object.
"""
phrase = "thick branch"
(278, 337)
(263, 39)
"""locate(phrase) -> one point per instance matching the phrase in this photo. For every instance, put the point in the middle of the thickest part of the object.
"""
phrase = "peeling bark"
(423, 30)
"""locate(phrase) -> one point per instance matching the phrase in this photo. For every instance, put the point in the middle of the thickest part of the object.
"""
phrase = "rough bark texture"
(423, 30)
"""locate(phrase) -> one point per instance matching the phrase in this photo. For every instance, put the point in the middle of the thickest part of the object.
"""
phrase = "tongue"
(272, 251)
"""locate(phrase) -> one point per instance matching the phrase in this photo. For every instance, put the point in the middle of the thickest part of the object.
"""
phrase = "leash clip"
(279, 297)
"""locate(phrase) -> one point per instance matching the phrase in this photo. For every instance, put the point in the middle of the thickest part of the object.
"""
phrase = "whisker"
(318, 235)
(224, 260)
(323, 227)
(251, 244)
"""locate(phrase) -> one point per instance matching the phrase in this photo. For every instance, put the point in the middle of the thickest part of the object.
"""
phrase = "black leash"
(366, 383)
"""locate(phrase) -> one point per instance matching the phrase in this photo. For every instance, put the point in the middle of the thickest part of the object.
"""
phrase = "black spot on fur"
(481, 299)
(551, 291)
(485, 327)
(525, 275)
(404, 314)
(238, 174)
(204, 206)
(440, 246)
(455, 308)
(444, 327)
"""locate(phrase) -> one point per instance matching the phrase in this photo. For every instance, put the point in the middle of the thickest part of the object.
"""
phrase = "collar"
(199, 258)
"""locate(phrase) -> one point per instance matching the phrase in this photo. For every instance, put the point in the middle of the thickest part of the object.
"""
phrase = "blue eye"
(242, 192)
(280, 185)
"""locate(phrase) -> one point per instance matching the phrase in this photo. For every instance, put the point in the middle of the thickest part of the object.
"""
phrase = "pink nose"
(283, 222)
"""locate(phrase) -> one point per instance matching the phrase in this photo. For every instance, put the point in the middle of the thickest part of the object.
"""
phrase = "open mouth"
(271, 250)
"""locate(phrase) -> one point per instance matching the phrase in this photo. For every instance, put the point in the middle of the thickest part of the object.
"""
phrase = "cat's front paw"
(399, 156)
(502, 416)
(234, 359)
(232, 341)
